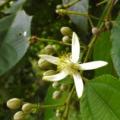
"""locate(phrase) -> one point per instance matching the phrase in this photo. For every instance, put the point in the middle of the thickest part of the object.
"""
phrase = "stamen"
(65, 63)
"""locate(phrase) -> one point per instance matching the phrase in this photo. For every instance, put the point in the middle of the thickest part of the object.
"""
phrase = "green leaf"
(115, 38)
(102, 51)
(101, 99)
(14, 33)
(81, 22)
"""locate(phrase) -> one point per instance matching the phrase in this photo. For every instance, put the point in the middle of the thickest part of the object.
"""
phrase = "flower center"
(66, 64)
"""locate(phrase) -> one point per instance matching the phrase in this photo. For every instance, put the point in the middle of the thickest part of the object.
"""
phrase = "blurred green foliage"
(24, 80)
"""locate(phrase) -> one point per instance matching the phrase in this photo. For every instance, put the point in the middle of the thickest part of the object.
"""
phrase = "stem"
(63, 11)
(107, 11)
(54, 41)
(65, 115)
(51, 40)
(101, 3)
(39, 106)
(90, 21)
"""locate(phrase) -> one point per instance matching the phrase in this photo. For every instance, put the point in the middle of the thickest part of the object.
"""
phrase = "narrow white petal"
(75, 48)
(56, 77)
(92, 65)
(49, 58)
(78, 84)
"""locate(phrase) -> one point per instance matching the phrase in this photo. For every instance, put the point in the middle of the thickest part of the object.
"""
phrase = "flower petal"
(49, 58)
(78, 84)
(92, 65)
(75, 48)
(56, 77)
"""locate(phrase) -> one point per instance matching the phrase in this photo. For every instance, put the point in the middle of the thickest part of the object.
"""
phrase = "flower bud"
(14, 103)
(66, 39)
(59, 6)
(66, 31)
(56, 95)
(49, 49)
(44, 65)
(55, 85)
(60, 11)
(49, 72)
(19, 115)
(63, 87)
(27, 107)
(95, 30)
(11, 3)
(58, 113)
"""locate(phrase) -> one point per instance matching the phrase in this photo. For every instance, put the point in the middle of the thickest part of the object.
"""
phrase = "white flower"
(68, 65)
